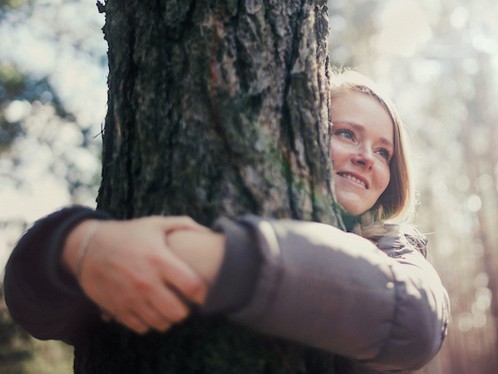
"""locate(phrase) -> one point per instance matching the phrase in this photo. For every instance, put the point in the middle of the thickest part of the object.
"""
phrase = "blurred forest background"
(437, 58)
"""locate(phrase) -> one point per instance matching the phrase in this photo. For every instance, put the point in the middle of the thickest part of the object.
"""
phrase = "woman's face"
(362, 147)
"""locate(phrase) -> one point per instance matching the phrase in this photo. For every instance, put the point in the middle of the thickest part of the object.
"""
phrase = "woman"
(369, 295)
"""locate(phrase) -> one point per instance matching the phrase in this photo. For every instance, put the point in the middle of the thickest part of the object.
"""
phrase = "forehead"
(363, 111)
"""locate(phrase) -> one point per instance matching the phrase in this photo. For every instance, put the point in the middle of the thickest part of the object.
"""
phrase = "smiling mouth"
(354, 179)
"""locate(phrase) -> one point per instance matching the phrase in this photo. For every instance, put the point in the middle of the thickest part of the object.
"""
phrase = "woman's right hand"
(131, 274)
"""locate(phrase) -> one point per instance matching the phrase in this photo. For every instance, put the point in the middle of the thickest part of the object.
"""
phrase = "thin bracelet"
(83, 249)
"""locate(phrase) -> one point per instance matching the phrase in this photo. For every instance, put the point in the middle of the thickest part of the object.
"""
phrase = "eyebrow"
(361, 128)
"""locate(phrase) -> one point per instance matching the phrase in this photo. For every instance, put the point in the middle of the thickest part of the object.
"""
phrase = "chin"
(352, 206)
(351, 209)
(355, 207)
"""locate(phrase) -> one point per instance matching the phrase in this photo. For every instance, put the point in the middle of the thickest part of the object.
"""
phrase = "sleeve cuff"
(235, 283)
(57, 275)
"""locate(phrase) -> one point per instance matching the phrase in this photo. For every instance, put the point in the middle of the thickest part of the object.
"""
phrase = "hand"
(130, 273)
(202, 250)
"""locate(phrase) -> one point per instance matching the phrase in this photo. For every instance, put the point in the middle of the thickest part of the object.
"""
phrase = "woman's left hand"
(130, 272)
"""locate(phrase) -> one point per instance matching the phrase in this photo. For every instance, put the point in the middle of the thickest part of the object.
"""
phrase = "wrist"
(203, 251)
(76, 245)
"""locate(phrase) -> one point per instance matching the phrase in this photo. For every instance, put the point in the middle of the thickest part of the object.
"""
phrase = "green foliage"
(12, 84)
(13, 4)
(7, 6)
(16, 88)
(11, 80)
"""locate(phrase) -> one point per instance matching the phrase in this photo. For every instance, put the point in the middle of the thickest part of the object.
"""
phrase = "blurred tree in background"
(52, 54)
(52, 92)
(438, 60)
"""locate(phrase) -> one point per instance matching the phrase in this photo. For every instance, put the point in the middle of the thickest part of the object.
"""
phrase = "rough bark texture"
(215, 108)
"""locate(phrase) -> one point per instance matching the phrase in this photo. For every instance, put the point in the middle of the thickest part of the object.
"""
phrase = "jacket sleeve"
(41, 296)
(382, 306)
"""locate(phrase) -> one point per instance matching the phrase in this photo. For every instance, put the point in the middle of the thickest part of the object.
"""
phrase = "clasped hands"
(144, 273)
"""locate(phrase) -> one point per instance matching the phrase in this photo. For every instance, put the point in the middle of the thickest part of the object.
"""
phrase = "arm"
(42, 297)
(126, 264)
(335, 291)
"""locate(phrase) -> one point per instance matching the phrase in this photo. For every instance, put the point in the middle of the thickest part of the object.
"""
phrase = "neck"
(348, 220)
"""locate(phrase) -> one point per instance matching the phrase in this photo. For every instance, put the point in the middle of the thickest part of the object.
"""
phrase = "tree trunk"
(214, 108)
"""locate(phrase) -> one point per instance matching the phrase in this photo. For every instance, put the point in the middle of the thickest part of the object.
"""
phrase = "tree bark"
(214, 108)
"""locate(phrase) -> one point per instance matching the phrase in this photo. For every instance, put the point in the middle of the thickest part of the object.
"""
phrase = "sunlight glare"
(404, 28)
(17, 110)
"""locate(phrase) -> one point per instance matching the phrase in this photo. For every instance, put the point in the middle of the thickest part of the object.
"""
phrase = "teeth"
(354, 179)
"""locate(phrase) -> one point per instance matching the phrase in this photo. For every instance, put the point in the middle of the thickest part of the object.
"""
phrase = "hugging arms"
(308, 282)
(370, 296)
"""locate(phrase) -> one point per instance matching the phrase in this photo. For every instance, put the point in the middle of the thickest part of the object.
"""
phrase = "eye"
(384, 153)
(345, 133)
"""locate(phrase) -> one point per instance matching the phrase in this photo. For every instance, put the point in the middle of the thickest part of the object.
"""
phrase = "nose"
(363, 157)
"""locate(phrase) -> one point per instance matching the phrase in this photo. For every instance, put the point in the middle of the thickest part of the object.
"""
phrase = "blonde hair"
(397, 202)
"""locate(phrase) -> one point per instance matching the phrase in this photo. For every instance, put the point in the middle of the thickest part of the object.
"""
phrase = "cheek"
(337, 153)
(384, 178)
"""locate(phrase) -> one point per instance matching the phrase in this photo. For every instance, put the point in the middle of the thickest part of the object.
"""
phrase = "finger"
(149, 314)
(170, 306)
(133, 322)
(182, 222)
(178, 274)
